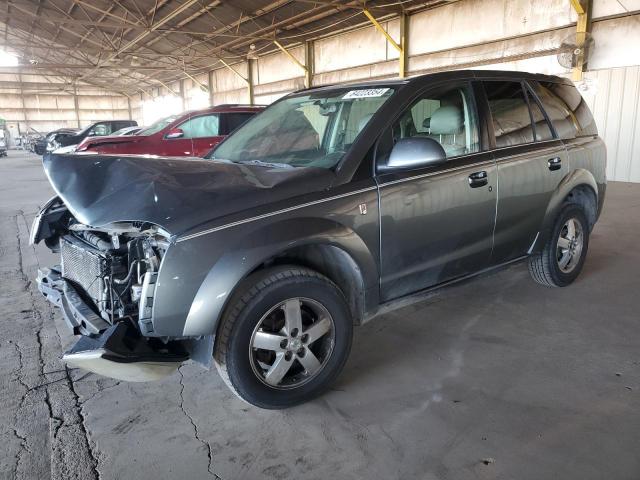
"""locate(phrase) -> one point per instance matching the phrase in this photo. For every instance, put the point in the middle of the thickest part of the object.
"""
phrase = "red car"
(189, 134)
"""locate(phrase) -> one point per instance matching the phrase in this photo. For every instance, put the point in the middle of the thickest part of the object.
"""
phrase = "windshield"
(159, 125)
(312, 130)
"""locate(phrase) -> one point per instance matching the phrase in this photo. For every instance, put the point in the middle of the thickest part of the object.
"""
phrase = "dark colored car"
(3, 143)
(96, 129)
(332, 205)
(40, 145)
(192, 133)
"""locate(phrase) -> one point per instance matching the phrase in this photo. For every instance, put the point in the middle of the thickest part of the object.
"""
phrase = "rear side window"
(541, 126)
(573, 101)
(234, 120)
(510, 113)
(562, 118)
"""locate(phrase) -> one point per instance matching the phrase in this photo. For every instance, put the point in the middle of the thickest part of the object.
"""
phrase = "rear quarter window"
(566, 109)
(574, 102)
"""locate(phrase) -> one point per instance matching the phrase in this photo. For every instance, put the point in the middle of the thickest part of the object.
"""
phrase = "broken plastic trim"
(122, 353)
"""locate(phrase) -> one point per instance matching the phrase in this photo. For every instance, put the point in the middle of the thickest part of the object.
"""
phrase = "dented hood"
(174, 193)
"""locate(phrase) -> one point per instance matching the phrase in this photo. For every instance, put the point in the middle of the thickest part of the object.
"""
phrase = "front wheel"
(562, 257)
(284, 338)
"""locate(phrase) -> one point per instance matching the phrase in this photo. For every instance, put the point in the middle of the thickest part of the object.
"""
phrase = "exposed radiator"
(83, 266)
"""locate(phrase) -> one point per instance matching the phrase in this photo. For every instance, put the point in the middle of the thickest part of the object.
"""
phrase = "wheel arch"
(326, 246)
(578, 186)
(331, 260)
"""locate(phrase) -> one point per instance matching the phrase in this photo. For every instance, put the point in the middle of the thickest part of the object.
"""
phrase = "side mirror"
(414, 152)
(174, 133)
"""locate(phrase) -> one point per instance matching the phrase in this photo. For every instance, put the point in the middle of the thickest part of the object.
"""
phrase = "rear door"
(531, 162)
(436, 223)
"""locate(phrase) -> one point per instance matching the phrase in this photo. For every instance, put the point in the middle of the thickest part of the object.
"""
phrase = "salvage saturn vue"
(319, 213)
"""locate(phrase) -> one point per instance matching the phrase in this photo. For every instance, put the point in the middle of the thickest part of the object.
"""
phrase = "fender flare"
(220, 284)
(576, 178)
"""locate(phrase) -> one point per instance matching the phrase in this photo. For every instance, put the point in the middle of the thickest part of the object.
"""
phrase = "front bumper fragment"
(79, 316)
(121, 353)
(118, 351)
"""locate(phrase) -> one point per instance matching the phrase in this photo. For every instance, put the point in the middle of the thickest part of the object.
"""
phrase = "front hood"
(174, 193)
(95, 141)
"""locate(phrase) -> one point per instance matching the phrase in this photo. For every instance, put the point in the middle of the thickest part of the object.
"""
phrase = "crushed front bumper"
(81, 318)
(118, 351)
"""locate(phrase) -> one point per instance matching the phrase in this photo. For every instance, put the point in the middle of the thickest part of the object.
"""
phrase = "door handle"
(478, 179)
(555, 163)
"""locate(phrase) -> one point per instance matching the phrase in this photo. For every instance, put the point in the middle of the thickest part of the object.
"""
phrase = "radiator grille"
(84, 267)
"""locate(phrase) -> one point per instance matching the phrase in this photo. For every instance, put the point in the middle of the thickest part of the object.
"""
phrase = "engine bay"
(113, 268)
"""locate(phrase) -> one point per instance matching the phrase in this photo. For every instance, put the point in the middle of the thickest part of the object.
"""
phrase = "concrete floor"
(496, 378)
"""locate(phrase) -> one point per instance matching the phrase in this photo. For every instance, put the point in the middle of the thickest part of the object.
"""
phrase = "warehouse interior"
(493, 379)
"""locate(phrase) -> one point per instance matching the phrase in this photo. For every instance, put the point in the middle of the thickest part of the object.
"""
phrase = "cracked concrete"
(543, 383)
(206, 444)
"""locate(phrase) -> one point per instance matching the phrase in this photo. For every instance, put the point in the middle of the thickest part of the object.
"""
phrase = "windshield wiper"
(265, 164)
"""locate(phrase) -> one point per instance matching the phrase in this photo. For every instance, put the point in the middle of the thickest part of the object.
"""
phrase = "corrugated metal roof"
(128, 44)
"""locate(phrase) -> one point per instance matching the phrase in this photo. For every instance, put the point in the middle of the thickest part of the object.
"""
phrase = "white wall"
(29, 101)
(613, 95)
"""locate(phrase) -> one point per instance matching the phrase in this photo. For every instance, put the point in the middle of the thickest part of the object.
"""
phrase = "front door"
(436, 223)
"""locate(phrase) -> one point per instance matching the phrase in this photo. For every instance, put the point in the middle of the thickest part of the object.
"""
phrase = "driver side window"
(201, 127)
(447, 116)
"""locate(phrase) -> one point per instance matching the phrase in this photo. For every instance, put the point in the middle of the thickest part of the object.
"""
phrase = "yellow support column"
(399, 47)
(402, 65)
(305, 68)
(583, 26)
(308, 63)
(248, 80)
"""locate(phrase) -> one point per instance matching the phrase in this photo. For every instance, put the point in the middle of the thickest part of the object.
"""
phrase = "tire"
(268, 305)
(546, 267)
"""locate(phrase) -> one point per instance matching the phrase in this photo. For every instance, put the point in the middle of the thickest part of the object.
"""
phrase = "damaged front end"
(105, 286)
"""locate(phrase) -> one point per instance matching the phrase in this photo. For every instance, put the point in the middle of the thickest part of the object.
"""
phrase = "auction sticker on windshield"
(367, 93)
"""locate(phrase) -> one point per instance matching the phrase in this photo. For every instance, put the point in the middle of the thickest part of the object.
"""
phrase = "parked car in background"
(334, 204)
(40, 144)
(123, 132)
(30, 139)
(96, 129)
(189, 134)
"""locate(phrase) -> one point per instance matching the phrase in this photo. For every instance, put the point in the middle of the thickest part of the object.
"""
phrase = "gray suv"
(320, 212)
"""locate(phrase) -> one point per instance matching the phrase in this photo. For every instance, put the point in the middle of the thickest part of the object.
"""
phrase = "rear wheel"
(284, 338)
(561, 259)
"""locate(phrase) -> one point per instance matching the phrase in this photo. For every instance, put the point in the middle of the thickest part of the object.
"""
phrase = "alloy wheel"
(291, 343)
(569, 246)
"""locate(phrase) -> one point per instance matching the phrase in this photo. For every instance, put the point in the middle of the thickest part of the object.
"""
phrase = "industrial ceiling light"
(8, 60)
